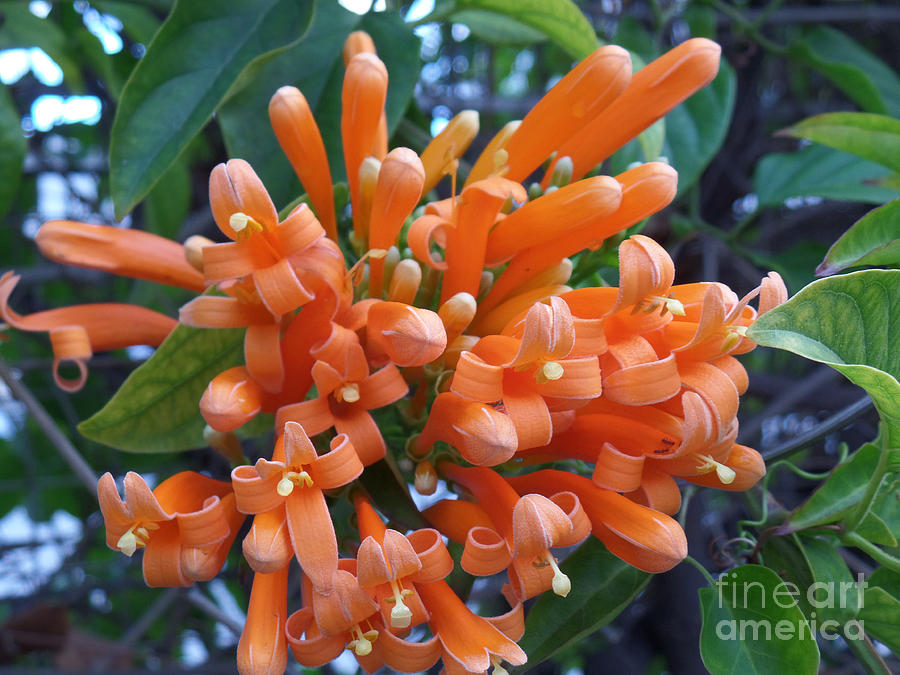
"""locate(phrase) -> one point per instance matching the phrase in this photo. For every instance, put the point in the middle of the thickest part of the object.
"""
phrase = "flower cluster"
(457, 314)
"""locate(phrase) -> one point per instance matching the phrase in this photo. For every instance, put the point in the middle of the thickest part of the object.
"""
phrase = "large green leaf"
(873, 240)
(872, 137)
(167, 204)
(852, 323)
(244, 117)
(744, 619)
(834, 595)
(496, 29)
(818, 171)
(602, 586)
(856, 71)
(155, 409)
(880, 611)
(559, 20)
(12, 149)
(195, 58)
(841, 491)
(696, 129)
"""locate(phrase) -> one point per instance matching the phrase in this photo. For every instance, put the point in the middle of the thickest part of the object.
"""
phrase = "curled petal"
(658, 490)
(735, 371)
(206, 526)
(644, 383)
(423, 230)
(410, 336)
(217, 312)
(162, 559)
(315, 649)
(715, 388)
(476, 379)
(253, 492)
(432, 553)
(529, 413)
(616, 470)
(116, 515)
(407, 657)
(142, 502)
(280, 289)
(313, 415)
(645, 268)
(485, 552)
(359, 426)
(549, 333)
(772, 292)
(581, 525)
(70, 343)
(528, 580)
(339, 466)
(343, 606)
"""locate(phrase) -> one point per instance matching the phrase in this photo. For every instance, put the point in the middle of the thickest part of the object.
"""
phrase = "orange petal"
(448, 145)
(399, 188)
(262, 649)
(652, 92)
(371, 564)
(617, 471)
(538, 524)
(433, 555)
(488, 161)
(581, 525)
(207, 525)
(142, 503)
(715, 388)
(70, 343)
(658, 491)
(280, 289)
(468, 639)
(645, 190)
(299, 231)
(338, 467)
(262, 354)
(216, 312)
(312, 535)
(363, 431)
(235, 188)
(645, 268)
(455, 517)
(313, 415)
(477, 380)
(382, 388)
(482, 435)
(552, 215)
(232, 398)
(420, 236)
(733, 368)
(344, 605)
(747, 464)
(410, 336)
(529, 414)
(256, 493)
(513, 309)
(467, 242)
(407, 657)
(493, 492)
(581, 379)
(571, 104)
(400, 554)
(300, 139)
(527, 580)
(162, 558)
(233, 259)
(362, 104)
(267, 546)
(116, 515)
(122, 251)
(548, 334)
(316, 651)
(772, 292)
(485, 552)
(644, 383)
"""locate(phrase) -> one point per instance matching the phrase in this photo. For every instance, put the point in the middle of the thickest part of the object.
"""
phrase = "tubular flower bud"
(448, 146)
(408, 335)
(405, 281)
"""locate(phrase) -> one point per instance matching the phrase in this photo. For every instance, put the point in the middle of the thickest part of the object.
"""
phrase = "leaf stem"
(701, 569)
(862, 508)
(879, 555)
(868, 656)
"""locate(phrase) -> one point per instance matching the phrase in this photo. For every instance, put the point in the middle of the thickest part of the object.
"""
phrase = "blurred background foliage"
(748, 201)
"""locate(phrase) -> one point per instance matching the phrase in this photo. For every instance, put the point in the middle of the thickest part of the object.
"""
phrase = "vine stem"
(878, 555)
(859, 513)
(701, 569)
(59, 440)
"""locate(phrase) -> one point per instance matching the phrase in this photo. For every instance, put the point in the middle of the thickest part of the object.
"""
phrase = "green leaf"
(876, 530)
(834, 594)
(880, 612)
(695, 130)
(872, 137)
(155, 409)
(193, 61)
(244, 117)
(559, 20)
(496, 29)
(818, 171)
(856, 71)
(602, 586)
(20, 28)
(744, 619)
(389, 493)
(852, 323)
(168, 202)
(872, 240)
(12, 149)
(139, 22)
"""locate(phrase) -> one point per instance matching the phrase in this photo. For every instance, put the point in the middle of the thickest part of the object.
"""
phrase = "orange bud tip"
(425, 479)
(193, 250)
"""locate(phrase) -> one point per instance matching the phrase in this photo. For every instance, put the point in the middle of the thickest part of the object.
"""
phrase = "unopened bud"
(193, 250)
(425, 480)
(226, 444)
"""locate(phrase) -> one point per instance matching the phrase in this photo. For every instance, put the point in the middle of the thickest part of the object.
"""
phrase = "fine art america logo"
(753, 595)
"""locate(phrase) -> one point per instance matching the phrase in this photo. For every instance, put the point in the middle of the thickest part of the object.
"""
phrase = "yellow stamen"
(734, 336)
(551, 370)
(244, 225)
(356, 274)
(348, 393)
(401, 615)
(561, 583)
(293, 478)
(362, 644)
(136, 537)
(725, 473)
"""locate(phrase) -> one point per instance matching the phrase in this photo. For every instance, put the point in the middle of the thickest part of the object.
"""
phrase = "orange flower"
(346, 392)
(390, 565)
(78, 331)
(642, 537)
(185, 526)
(292, 488)
(262, 649)
(521, 532)
(122, 251)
